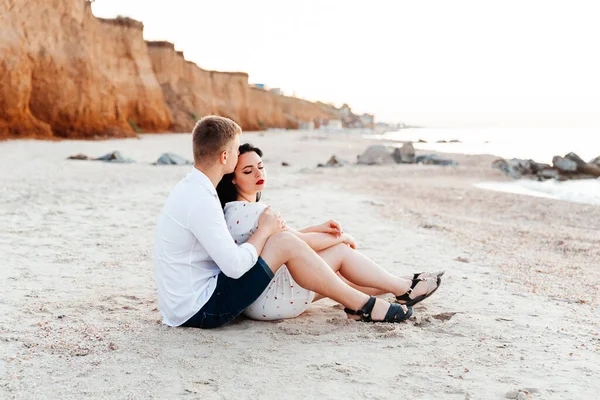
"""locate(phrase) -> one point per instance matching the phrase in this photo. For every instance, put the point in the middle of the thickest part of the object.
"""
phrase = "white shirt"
(192, 246)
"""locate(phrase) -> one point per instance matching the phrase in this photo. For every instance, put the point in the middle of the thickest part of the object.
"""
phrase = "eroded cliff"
(65, 73)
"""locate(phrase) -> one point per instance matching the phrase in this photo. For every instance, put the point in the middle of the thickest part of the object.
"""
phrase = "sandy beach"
(517, 310)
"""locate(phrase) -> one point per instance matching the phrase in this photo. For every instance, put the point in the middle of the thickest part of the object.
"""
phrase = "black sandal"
(411, 302)
(395, 313)
(416, 275)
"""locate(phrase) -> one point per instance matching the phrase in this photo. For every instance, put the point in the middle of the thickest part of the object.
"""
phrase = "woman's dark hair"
(226, 189)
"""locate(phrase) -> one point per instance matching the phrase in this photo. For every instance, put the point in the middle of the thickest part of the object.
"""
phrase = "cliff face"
(65, 73)
(192, 92)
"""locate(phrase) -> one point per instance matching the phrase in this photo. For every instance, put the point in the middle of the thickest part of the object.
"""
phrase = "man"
(204, 279)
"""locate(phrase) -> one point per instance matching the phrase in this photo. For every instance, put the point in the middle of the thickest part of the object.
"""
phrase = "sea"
(537, 144)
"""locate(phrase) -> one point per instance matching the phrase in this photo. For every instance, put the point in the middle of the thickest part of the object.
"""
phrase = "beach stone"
(333, 162)
(78, 157)
(434, 159)
(512, 394)
(595, 161)
(548, 173)
(114, 157)
(583, 167)
(171, 159)
(505, 167)
(404, 154)
(376, 154)
(564, 164)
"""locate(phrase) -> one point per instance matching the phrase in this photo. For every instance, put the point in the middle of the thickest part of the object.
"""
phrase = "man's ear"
(223, 157)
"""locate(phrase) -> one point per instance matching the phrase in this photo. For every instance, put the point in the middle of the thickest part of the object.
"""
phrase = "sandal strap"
(351, 312)
(406, 295)
(397, 314)
(365, 311)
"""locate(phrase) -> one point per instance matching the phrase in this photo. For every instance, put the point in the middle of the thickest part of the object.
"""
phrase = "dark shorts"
(232, 296)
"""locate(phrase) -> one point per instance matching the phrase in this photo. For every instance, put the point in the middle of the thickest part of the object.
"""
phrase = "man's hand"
(271, 222)
(329, 227)
(349, 240)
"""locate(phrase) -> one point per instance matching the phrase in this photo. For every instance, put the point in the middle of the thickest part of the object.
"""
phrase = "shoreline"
(519, 295)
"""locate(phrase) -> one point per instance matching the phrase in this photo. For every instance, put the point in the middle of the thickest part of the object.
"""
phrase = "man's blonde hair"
(211, 136)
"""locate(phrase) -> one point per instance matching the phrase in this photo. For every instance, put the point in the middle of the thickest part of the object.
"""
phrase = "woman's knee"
(284, 244)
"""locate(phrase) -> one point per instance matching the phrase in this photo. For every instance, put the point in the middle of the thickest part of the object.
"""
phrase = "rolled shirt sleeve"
(208, 224)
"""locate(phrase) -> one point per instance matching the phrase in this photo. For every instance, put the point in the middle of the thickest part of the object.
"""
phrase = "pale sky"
(436, 63)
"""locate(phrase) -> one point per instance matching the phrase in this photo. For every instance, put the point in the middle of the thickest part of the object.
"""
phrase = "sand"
(517, 310)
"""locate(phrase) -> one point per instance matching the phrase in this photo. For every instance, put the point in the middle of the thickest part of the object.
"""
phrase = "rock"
(375, 155)
(333, 162)
(512, 394)
(285, 164)
(583, 167)
(422, 141)
(114, 157)
(404, 154)
(548, 173)
(595, 161)
(433, 159)
(441, 141)
(79, 157)
(517, 168)
(172, 159)
(505, 167)
(564, 164)
(455, 141)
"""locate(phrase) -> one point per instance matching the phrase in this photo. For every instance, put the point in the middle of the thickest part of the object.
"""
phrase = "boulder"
(79, 157)
(548, 173)
(404, 154)
(583, 167)
(114, 157)
(333, 162)
(375, 155)
(514, 168)
(564, 164)
(172, 159)
(434, 159)
(595, 161)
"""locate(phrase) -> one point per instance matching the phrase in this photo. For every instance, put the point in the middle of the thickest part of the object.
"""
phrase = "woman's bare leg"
(364, 275)
(311, 272)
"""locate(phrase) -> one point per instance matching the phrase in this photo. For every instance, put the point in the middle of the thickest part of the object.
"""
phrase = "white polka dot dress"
(283, 298)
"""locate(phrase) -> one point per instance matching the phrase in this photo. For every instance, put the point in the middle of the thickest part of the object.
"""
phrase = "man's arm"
(207, 223)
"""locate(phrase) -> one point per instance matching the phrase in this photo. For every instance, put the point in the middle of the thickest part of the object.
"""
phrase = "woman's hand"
(349, 240)
(329, 227)
(271, 222)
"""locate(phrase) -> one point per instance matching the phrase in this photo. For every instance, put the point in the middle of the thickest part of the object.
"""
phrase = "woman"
(240, 194)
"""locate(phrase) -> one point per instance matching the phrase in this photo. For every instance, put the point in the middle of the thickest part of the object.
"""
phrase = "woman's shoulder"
(244, 206)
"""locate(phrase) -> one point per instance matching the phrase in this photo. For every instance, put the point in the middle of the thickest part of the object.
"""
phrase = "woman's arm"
(318, 241)
(326, 227)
